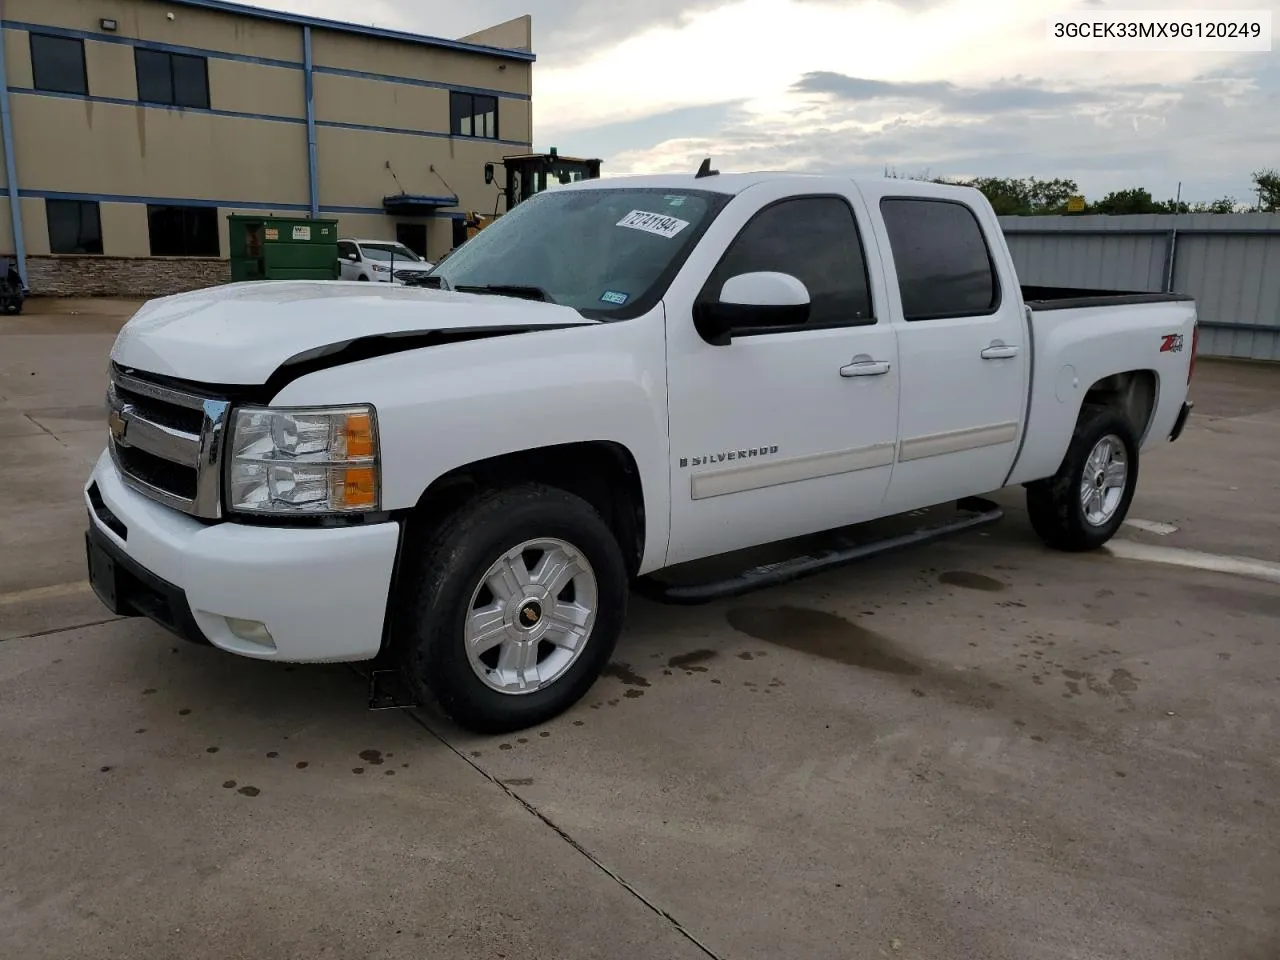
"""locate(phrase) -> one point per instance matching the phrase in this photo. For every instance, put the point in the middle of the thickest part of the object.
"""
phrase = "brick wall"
(123, 276)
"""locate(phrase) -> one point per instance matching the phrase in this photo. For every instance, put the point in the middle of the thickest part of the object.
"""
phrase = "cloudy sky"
(948, 87)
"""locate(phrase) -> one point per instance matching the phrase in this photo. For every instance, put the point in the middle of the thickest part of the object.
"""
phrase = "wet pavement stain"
(357, 770)
(544, 734)
(745, 656)
(822, 634)
(371, 757)
(972, 581)
(689, 661)
(578, 723)
(210, 749)
(228, 785)
(302, 764)
(388, 773)
(623, 672)
(249, 791)
(519, 782)
(633, 694)
(522, 740)
(504, 746)
(272, 754)
(184, 711)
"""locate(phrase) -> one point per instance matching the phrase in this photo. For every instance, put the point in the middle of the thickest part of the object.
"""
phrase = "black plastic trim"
(136, 591)
(1181, 422)
(1041, 299)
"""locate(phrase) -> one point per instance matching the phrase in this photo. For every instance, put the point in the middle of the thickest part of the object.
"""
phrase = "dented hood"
(242, 333)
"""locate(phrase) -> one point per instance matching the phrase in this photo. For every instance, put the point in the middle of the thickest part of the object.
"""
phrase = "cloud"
(995, 98)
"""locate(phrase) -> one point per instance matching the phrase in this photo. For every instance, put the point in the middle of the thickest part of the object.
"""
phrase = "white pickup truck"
(616, 378)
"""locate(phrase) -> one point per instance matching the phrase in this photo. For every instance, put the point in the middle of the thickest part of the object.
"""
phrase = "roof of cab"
(735, 183)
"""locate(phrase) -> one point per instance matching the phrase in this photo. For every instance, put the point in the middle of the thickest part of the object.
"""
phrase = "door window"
(815, 240)
(943, 263)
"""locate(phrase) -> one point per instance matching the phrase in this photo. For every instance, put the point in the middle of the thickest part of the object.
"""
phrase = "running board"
(697, 581)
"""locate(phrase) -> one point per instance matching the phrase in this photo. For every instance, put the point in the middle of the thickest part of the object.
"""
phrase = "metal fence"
(1229, 262)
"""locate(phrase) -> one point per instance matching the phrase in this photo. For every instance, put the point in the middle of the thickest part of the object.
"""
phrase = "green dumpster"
(282, 248)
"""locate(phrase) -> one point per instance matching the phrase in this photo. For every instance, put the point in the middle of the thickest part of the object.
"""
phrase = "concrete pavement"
(980, 748)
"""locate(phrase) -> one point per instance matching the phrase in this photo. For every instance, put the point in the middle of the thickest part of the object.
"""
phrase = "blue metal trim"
(162, 201)
(312, 168)
(121, 102)
(340, 125)
(11, 171)
(197, 202)
(238, 115)
(223, 6)
(415, 82)
(149, 44)
(260, 61)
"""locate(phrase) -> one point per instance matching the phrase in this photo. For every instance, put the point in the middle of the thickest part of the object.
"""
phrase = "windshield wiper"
(507, 290)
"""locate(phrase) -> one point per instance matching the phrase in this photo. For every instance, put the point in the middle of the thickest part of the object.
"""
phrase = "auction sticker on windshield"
(656, 223)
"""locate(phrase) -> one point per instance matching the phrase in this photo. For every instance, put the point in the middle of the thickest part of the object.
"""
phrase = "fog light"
(254, 631)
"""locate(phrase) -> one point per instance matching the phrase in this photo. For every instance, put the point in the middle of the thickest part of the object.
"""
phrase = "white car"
(621, 381)
(378, 260)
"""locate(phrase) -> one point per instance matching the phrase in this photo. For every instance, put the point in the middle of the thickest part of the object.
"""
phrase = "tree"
(1267, 183)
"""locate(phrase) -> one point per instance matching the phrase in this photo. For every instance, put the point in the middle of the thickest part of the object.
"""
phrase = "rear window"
(943, 264)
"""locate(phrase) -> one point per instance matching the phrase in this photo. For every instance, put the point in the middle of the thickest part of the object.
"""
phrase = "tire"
(1058, 505)
(363, 278)
(533, 672)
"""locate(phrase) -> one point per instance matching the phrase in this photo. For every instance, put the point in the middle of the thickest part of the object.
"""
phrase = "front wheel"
(514, 608)
(1082, 506)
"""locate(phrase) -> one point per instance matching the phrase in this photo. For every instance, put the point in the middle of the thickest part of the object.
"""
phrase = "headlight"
(304, 461)
(379, 268)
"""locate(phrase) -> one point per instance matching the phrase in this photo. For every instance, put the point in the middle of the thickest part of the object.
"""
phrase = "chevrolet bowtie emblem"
(117, 424)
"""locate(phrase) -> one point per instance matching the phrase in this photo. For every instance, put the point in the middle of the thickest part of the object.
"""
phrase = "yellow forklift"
(528, 174)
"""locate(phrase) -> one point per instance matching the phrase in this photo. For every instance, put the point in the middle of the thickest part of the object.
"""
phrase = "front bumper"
(321, 593)
(1181, 422)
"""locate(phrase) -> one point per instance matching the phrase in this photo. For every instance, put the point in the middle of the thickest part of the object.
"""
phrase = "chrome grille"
(167, 443)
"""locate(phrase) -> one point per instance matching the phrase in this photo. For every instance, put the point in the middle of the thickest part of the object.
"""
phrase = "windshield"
(602, 251)
(382, 251)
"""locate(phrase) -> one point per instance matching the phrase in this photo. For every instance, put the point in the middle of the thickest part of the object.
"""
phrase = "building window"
(473, 115)
(74, 226)
(57, 64)
(173, 79)
(183, 231)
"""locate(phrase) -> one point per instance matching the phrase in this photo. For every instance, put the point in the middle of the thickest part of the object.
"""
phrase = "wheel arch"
(602, 472)
(1133, 393)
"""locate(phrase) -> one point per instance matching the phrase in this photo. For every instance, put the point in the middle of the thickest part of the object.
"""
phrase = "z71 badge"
(1171, 343)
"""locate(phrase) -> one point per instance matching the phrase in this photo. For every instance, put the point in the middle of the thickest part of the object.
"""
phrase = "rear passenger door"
(962, 347)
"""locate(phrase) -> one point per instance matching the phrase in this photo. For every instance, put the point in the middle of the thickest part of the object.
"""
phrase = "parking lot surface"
(974, 749)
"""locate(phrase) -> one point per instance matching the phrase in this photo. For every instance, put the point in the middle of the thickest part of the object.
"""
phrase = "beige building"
(132, 128)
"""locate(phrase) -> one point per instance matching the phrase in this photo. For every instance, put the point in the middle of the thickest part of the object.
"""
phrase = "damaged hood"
(241, 333)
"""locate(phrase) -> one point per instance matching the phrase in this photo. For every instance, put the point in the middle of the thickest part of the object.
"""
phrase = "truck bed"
(1069, 298)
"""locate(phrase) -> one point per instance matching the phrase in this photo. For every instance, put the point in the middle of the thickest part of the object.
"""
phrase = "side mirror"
(353, 257)
(488, 173)
(752, 301)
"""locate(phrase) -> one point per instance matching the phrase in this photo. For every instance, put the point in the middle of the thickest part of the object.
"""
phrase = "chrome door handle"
(865, 368)
(999, 351)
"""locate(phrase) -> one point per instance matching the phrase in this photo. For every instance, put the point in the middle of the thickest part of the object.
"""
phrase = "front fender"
(446, 406)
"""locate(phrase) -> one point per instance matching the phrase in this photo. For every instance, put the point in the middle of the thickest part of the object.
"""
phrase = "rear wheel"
(514, 608)
(1082, 506)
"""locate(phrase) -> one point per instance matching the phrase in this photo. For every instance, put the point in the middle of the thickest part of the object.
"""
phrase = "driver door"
(784, 431)
(347, 269)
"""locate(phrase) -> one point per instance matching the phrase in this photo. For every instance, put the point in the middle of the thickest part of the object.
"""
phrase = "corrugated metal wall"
(1229, 262)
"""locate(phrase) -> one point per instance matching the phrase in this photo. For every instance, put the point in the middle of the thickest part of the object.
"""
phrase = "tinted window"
(173, 79)
(183, 231)
(473, 115)
(944, 267)
(815, 239)
(346, 249)
(57, 64)
(74, 226)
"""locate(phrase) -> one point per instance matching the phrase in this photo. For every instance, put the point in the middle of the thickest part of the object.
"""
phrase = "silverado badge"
(728, 455)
